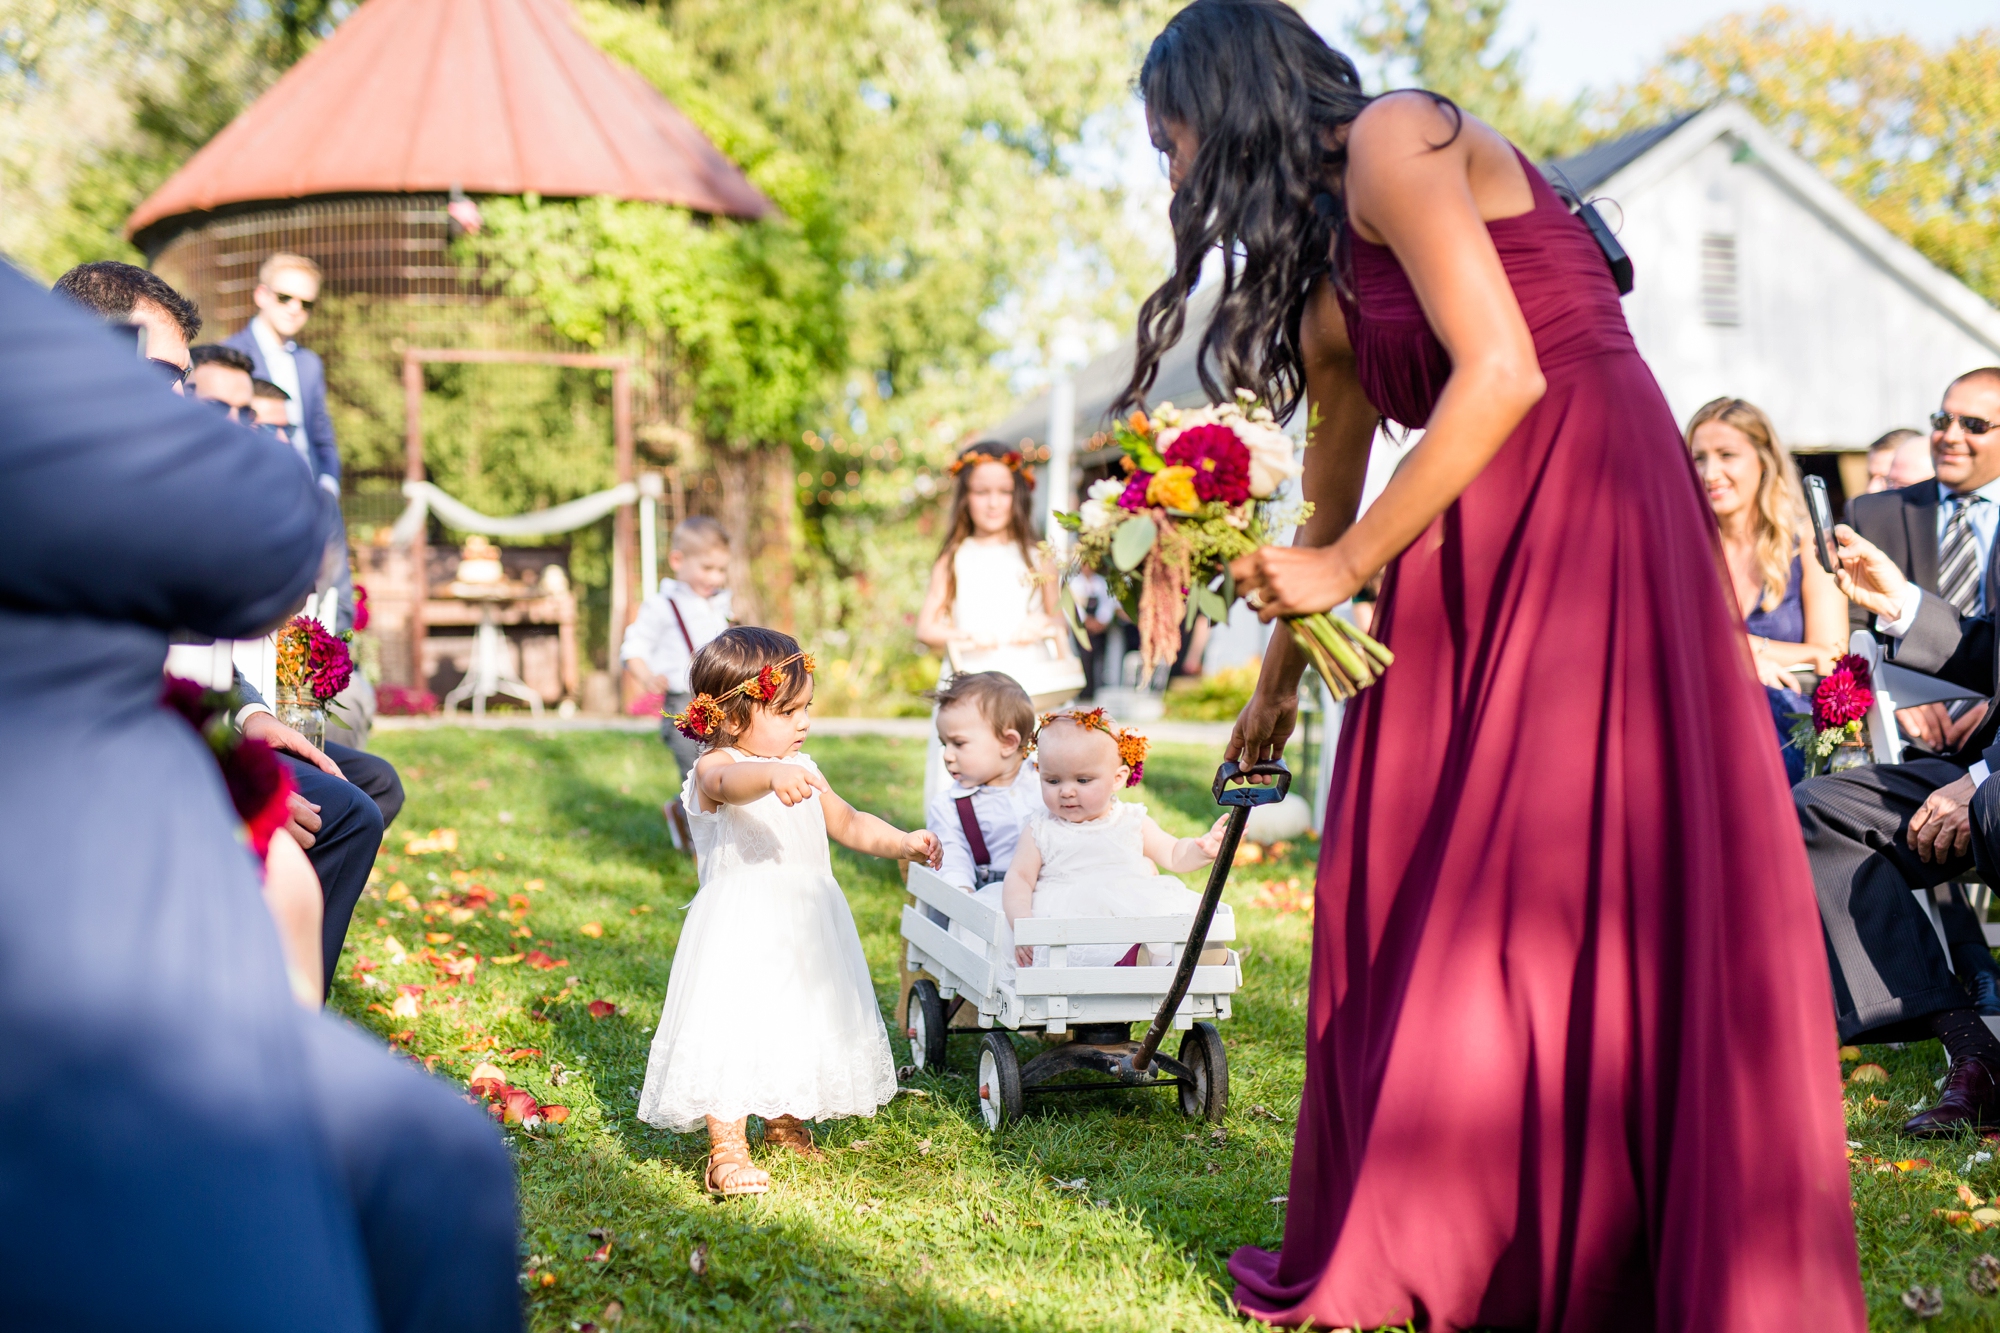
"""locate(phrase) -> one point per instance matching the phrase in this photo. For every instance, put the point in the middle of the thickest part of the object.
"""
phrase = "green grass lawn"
(916, 1218)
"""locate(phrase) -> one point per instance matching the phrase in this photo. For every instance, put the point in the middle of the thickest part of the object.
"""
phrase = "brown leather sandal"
(790, 1133)
(730, 1173)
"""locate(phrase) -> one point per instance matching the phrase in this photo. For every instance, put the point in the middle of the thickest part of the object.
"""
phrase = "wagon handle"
(1238, 801)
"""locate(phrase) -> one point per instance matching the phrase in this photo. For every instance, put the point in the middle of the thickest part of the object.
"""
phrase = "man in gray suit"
(1876, 833)
(1939, 532)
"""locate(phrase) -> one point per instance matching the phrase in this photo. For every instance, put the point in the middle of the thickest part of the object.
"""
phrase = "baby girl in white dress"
(770, 1010)
(1090, 854)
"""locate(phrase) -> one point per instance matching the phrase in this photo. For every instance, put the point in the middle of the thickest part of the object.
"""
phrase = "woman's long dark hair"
(1263, 94)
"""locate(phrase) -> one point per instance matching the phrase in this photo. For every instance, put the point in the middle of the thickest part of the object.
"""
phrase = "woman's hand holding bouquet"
(1200, 491)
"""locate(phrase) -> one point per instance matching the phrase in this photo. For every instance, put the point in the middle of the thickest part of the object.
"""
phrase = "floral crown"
(1013, 460)
(702, 717)
(1131, 745)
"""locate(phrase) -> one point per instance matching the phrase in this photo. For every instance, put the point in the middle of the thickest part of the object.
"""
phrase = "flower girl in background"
(770, 1010)
(988, 590)
(1087, 853)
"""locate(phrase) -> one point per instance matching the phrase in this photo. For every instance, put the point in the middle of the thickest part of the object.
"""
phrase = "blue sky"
(1577, 44)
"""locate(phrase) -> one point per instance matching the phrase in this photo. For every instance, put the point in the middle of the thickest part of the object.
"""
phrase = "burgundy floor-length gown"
(1570, 1053)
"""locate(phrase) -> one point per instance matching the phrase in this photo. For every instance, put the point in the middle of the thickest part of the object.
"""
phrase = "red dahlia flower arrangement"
(312, 661)
(259, 785)
(1840, 705)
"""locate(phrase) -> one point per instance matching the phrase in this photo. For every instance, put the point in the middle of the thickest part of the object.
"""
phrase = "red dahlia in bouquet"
(312, 662)
(1199, 490)
(257, 782)
(1840, 704)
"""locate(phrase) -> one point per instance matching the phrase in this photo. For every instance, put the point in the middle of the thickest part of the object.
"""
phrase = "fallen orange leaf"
(404, 1007)
(555, 1115)
(602, 1008)
(533, 886)
(593, 929)
(518, 1104)
(437, 937)
(518, 901)
(1913, 1164)
(540, 960)
(1868, 1074)
(506, 960)
(520, 1053)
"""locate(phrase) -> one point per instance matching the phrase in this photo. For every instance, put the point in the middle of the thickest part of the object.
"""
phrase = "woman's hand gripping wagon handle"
(1237, 801)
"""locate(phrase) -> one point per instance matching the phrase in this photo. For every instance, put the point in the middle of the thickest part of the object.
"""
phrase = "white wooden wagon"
(1094, 1007)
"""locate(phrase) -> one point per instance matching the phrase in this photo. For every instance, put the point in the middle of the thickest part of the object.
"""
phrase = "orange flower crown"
(1132, 746)
(703, 716)
(1013, 460)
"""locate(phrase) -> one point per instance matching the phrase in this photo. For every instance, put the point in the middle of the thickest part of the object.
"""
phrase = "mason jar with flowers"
(1834, 735)
(313, 666)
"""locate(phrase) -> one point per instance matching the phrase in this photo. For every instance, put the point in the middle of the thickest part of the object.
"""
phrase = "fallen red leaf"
(518, 901)
(518, 1104)
(538, 959)
(520, 1053)
(602, 1008)
(410, 988)
(363, 964)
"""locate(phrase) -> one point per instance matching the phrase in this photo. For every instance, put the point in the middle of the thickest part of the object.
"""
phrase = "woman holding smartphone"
(1793, 611)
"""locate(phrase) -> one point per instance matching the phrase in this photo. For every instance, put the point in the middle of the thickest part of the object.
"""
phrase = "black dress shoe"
(1986, 992)
(1971, 1099)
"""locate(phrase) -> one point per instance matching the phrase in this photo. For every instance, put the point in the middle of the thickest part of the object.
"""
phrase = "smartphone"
(1822, 522)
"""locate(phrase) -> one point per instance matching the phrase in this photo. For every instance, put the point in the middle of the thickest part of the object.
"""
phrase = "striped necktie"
(1958, 557)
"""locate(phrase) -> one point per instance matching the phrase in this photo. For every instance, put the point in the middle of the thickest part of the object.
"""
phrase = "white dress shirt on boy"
(1001, 812)
(656, 637)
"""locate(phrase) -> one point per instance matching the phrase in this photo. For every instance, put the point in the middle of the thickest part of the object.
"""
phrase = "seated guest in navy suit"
(1792, 610)
(287, 287)
(235, 1162)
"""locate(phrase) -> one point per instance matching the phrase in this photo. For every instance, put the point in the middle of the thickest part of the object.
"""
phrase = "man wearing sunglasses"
(222, 376)
(1877, 833)
(128, 295)
(287, 287)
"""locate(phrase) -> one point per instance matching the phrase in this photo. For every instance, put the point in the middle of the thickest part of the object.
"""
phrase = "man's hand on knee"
(1941, 830)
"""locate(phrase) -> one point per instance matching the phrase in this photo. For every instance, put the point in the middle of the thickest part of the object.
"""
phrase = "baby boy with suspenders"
(683, 615)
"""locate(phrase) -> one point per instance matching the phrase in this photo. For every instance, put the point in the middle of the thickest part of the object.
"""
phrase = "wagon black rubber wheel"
(999, 1081)
(1202, 1053)
(927, 1026)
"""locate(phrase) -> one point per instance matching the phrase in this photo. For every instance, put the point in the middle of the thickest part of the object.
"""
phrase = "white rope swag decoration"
(566, 517)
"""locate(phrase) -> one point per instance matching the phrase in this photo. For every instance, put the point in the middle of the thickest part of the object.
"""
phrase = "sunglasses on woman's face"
(1941, 422)
(286, 298)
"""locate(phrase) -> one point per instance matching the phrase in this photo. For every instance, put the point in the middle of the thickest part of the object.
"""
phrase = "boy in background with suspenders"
(686, 612)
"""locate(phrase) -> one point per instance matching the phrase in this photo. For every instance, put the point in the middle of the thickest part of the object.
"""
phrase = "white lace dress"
(1100, 869)
(769, 1008)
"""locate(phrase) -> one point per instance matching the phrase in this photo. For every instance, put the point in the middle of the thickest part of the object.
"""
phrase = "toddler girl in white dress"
(1090, 854)
(770, 1010)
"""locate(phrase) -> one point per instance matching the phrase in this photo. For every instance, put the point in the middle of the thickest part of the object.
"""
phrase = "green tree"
(1912, 134)
(1453, 47)
(920, 158)
(101, 100)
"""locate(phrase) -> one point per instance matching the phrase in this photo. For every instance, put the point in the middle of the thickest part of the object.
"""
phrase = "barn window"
(1719, 303)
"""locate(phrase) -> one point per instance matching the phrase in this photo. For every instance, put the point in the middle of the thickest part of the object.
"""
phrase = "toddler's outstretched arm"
(1178, 856)
(722, 781)
(1017, 895)
(874, 836)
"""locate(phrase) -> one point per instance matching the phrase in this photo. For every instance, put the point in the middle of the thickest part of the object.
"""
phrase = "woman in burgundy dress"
(1570, 1056)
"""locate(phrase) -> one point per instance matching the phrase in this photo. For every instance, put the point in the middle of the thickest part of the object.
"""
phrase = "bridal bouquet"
(1840, 703)
(1200, 490)
(312, 663)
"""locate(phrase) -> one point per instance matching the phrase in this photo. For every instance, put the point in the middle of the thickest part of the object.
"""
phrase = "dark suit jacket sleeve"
(1941, 642)
(318, 421)
(121, 501)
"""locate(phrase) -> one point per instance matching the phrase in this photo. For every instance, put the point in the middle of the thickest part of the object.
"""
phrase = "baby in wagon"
(1088, 854)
